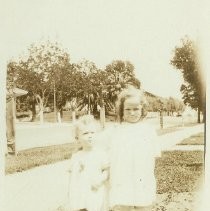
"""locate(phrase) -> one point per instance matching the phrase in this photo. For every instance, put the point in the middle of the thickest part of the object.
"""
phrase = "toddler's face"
(86, 137)
(132, 110)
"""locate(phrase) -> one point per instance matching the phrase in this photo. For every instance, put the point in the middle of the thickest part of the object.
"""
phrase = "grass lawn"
(197, 139)
(31, 158)
(179, 177)
(179, 171)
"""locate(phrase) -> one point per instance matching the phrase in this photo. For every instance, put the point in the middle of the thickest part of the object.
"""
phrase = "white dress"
(132, 162)
(86, 170)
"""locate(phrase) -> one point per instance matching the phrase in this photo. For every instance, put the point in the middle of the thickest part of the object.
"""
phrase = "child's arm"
(101, 179)
(105, 167)
(104, 172)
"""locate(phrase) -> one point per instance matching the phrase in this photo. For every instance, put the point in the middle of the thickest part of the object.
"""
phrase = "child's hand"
(81, 167)
(95, 187)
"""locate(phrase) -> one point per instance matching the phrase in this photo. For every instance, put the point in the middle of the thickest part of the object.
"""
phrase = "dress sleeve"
(105, 161)
(103, 172)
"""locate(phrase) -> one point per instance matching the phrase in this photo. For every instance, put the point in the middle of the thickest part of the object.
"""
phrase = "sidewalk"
(46, 134)
(188, 148)
(169, 140)
(40, 189)
(45, 188)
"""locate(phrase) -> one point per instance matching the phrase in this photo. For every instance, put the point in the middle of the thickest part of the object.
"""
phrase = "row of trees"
(169, 105)
(50, 78)
(186, 60)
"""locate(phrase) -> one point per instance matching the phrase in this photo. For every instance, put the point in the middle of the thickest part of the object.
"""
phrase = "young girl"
(132, 156)
(89, 170)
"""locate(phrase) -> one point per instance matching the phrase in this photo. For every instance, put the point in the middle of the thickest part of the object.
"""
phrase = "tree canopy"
(51, 79)
(186, 60)
(38, 73)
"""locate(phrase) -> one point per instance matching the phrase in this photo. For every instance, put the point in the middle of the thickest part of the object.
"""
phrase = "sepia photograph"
(103, 105)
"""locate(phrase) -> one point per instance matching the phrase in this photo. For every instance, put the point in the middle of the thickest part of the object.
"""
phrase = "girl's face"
(132, 110)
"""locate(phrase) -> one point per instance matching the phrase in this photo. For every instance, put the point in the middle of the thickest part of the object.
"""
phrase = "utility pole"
(54, 98)
(161, 119)
(161, 114)
(102, 110)
(88, 103)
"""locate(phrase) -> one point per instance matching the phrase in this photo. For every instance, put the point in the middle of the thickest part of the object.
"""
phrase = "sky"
(143, 32)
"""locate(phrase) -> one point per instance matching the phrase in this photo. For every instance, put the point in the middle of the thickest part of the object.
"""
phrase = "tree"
(18, 75)
(174, 105)
(65, 84)
(93, 89)
(38, 72)
(121, 72)
(119, 75)
(88, 86)
(186, 60)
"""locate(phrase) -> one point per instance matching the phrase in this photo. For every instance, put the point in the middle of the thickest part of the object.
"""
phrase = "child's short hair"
(129, 92)
(83, 122)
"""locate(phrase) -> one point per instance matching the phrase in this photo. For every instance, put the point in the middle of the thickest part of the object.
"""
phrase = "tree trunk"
(204, 118)
(204, 115)
(41, 107)
(59, 117)
(33, 109)
(73, 116)
(95, 111)
(199, 112)
(204, 110)
(102, 116)
(61, 112)
(41, 115)
(88, 104)
(161, 119)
